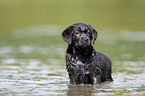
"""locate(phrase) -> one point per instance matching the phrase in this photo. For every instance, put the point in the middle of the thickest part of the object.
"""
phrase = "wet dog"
(83, 63)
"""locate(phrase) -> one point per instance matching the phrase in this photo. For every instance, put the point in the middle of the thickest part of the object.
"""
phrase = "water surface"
(35, 64)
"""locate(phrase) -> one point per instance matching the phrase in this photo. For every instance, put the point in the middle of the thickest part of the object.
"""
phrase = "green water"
(32, 51)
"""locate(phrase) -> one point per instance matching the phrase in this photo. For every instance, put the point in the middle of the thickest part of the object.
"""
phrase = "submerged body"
(89, 67)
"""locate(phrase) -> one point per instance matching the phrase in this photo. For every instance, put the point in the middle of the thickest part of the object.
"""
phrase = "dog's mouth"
(85, 45)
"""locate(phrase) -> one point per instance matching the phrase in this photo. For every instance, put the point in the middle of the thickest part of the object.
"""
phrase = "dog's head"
(80, 35)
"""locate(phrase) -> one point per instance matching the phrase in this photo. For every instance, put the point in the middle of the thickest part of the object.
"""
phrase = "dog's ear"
(94, 34)
(67, 34)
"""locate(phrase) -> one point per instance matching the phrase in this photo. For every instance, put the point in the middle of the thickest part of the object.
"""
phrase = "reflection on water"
(35, 65)
(90, 90)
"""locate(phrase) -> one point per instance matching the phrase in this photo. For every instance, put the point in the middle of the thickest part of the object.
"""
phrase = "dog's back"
(106, 66)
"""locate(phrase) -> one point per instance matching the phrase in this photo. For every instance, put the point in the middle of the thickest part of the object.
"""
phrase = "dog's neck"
(81, 51)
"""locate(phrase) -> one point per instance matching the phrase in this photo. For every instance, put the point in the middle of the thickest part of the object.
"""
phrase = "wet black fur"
(83, 63)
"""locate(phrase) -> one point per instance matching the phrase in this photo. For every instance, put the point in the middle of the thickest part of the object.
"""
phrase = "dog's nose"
(85, 39)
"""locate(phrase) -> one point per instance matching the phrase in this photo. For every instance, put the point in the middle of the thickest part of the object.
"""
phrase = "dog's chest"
(84, 60)
(84, 63)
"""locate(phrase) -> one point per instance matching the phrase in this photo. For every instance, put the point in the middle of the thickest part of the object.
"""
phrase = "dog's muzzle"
(84, 42)
(84, 39)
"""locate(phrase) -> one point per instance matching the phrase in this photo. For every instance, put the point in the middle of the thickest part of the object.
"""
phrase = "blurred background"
(116, 14)
(32, 51)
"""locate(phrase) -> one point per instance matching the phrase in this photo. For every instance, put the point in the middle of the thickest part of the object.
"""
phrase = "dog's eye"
(89, 32)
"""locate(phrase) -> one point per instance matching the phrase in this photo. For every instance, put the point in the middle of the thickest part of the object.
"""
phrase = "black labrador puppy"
(83, 63)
